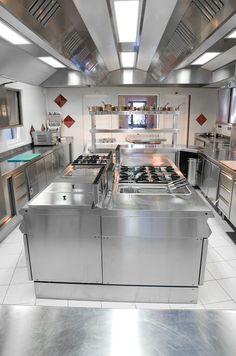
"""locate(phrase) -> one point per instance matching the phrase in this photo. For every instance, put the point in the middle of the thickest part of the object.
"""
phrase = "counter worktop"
(7, 168)
(110, 332)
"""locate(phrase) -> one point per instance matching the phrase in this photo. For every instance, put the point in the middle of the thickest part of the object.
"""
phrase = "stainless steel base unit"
(136, 247)
(116, 293)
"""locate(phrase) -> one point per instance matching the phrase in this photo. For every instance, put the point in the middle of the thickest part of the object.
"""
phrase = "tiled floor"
(218, 291)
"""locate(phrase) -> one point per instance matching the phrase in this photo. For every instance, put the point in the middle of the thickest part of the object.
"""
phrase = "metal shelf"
(172, 130)
(132, 130)
(134, 112)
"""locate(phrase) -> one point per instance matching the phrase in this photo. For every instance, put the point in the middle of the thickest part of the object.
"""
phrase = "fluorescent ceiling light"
(127, 19)
(127, 59)
(52, 62)
(128, 76)
(206, 57)
(232, 34)
(11, 35)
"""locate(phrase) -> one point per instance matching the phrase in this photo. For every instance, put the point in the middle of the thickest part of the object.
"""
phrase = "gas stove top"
(93, 160)
(148, 174)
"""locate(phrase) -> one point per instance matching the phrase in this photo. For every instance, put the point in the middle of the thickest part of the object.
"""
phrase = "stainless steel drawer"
(19, 179)
(21, 190)
(225, 193)
(22, 201)
(226, 180)
(224, 206)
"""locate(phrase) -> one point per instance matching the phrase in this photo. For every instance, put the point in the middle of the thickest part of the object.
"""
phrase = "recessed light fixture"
(204, 58)
(126, 13)
(232, 34)
(52, 62)
(127, 59)
(10, 35)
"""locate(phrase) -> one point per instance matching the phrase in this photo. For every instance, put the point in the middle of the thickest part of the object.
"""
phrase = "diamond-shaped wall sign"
(68, 121)
(201, 119)
(60, 100)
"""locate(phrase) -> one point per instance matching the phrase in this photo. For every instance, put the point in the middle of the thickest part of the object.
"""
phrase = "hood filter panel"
(208, 8)
(44, 10)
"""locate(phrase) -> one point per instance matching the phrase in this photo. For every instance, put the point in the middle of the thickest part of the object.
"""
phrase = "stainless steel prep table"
(39, 331)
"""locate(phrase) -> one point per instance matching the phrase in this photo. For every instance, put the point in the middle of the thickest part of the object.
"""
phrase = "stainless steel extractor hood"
(69, 27)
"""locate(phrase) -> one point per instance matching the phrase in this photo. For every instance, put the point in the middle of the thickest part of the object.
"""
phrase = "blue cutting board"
(24, 157)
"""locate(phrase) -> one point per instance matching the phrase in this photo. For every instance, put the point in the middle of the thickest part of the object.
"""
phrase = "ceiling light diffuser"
(10, 35)
(206, 57)
(127, 59)
(52, 62)
(232, 34)
(126, 13)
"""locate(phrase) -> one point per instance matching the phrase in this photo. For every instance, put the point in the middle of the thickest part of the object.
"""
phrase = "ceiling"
(82, 35)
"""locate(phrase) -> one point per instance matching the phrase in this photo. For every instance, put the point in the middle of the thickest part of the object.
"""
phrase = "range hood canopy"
(64, 26)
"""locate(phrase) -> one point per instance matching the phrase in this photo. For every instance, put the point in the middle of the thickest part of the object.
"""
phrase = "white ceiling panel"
(97, 20)
(221, 60)
(157, 15)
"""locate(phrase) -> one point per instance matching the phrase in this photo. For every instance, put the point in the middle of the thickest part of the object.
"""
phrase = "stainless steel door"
(2, 201)
(213, 183)
(232, 116)
(206, 171)
(65, 246)
(150, 251)
(233, 206)
(223, 105)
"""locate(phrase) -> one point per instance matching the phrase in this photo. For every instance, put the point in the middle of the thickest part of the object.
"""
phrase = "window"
(137, 121)
(10, 134)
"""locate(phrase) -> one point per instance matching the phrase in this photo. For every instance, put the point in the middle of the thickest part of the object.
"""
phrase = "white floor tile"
(220, 241)
(213, 255)
(20, 276)
(230, 305)
(22, 260)
(15, 237)
(9, 261)
(229, 285)
(6, 275)
(232, 263)
(10, 249)
(3, 290)
(228, 253)
(84, 304)
(208, 276)
(221, 269)
(20, 294)
(152, 306)
(187, 306)
(52, 302)
(212, 292)
(118, 305)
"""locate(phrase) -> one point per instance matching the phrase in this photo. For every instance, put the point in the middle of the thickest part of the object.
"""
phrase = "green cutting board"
(24, 157)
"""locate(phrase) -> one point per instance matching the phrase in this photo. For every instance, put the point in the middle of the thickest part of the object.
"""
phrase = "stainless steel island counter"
(147, 243)
(115, 332)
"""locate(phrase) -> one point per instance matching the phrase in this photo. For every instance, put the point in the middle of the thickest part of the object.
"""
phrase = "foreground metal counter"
(36, 331)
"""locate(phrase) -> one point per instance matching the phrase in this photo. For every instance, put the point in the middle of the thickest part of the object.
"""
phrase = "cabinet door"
(20, 189)
(150, 251)
(213, 183)
(233, 206)
(41, 174)
(2, 202)
(48, 161)
(206, 171)
(65, 247)
(232, 116)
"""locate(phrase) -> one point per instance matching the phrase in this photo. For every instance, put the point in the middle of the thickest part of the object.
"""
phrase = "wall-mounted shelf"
(94, 130)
